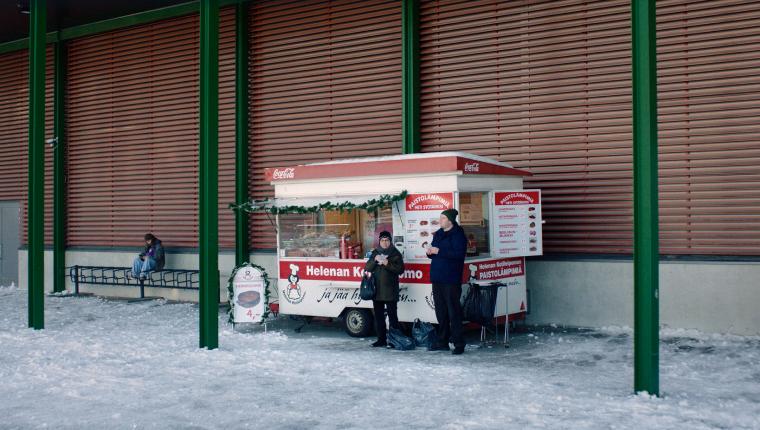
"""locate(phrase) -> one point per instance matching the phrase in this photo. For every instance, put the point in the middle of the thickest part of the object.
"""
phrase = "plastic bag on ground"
(398, 340)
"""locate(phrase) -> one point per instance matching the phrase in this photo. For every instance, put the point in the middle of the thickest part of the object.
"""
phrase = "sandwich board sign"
(248, 295)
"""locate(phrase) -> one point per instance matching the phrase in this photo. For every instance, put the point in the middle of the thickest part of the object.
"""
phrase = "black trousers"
(380, 308)
(448, 311)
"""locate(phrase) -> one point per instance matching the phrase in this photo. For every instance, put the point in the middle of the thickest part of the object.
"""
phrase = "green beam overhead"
(115, 23)
(208, 187)
(36, 170)
(410, 65)
(242, 252)
(59, 208)
(645, 205)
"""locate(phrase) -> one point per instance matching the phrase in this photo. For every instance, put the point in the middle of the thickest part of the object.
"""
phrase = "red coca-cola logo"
(429, 202)
(471, 167)
(287, 173)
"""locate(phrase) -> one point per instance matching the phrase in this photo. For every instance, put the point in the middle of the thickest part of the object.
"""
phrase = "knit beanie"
(451, 214)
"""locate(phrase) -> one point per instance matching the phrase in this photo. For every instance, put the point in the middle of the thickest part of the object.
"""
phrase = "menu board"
(422, 220)
(516, 223)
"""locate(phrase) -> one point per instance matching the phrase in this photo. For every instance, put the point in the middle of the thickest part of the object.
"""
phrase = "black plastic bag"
(424, 334)
(398, 340)
(367, 289)
(479, 304)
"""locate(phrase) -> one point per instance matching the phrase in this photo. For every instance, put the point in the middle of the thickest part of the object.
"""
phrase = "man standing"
(447, 253)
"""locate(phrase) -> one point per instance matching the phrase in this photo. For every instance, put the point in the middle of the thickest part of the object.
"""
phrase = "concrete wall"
(124, 259)
(721, 297)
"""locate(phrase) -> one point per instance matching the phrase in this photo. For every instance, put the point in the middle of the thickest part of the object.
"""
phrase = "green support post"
(208, 187)
(242, 252)
(36, 191)
(59, 208)
(410, 65)
(645, 204)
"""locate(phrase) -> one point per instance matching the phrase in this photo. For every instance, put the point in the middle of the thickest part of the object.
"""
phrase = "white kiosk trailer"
(321, 252)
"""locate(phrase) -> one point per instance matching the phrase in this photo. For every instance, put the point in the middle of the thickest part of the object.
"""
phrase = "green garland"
(231, 292)
(373, 205)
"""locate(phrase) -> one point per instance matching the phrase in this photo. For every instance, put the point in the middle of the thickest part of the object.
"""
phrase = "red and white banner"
(414, 273)
(350, 271)
(493, 270)
(429, 202)
(517, 198)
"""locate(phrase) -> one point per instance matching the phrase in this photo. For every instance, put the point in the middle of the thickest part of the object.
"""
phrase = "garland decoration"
(268, 205)
(231, 292)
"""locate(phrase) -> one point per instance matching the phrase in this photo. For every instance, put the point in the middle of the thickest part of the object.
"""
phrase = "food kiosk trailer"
(328, 217)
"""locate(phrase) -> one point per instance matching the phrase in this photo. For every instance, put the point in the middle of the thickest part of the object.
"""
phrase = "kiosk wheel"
(358, 322)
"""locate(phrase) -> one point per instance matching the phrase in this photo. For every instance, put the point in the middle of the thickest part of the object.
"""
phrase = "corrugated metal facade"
(709, 133)
(546, 86)
(14, 135)
(325, 84)
(132, 118)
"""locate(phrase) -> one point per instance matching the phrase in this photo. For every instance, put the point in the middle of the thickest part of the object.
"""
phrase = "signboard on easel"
(248, 292)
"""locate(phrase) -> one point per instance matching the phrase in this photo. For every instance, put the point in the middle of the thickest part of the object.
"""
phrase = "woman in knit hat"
(385, 264)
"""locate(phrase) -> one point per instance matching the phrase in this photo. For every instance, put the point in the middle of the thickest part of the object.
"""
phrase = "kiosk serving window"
(332, 234)
(473, 217)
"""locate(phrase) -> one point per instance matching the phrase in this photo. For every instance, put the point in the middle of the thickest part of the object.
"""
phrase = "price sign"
(248, 295)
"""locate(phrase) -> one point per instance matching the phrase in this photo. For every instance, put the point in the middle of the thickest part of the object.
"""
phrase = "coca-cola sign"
(472, 167)
(286, 173)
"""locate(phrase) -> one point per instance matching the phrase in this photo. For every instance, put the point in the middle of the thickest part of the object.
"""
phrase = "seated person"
(152, 259)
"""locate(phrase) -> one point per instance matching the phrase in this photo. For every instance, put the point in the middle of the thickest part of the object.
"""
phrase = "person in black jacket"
(447, 252)
(151, 259)
(385, 264)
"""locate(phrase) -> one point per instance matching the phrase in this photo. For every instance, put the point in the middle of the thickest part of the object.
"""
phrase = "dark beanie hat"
(384, 234)
(451, 214)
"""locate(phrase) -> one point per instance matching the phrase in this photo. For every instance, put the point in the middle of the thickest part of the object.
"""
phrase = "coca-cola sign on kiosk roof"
(284, 173)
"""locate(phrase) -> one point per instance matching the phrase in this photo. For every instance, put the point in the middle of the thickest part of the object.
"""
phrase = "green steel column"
(410, 64)
(36, 206)
(242, 253)
(208, 187)
(646, 245)
(59, 203)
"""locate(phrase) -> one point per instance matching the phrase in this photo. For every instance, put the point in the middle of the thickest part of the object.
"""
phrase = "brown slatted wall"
(14, 135)
(325, 83)
(546, 86)
(132, 122)
(709, 105)
(226, 127)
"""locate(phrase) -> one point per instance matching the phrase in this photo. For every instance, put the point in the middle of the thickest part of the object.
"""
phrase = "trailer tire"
(358, 322)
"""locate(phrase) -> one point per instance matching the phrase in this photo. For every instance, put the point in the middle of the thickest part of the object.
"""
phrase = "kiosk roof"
(433, 162)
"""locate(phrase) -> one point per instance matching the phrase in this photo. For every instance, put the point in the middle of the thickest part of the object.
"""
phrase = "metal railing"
(122, 276)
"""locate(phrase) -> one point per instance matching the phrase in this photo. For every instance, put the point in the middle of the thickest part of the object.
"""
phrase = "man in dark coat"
(447, 252)
(385, 264)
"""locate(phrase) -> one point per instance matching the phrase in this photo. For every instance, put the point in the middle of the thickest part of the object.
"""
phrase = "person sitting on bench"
(152, 259)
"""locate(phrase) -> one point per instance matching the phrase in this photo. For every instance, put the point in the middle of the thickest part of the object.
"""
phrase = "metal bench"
(122, 276)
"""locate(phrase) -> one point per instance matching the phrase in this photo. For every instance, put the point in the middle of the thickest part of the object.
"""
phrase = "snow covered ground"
(108, 364)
